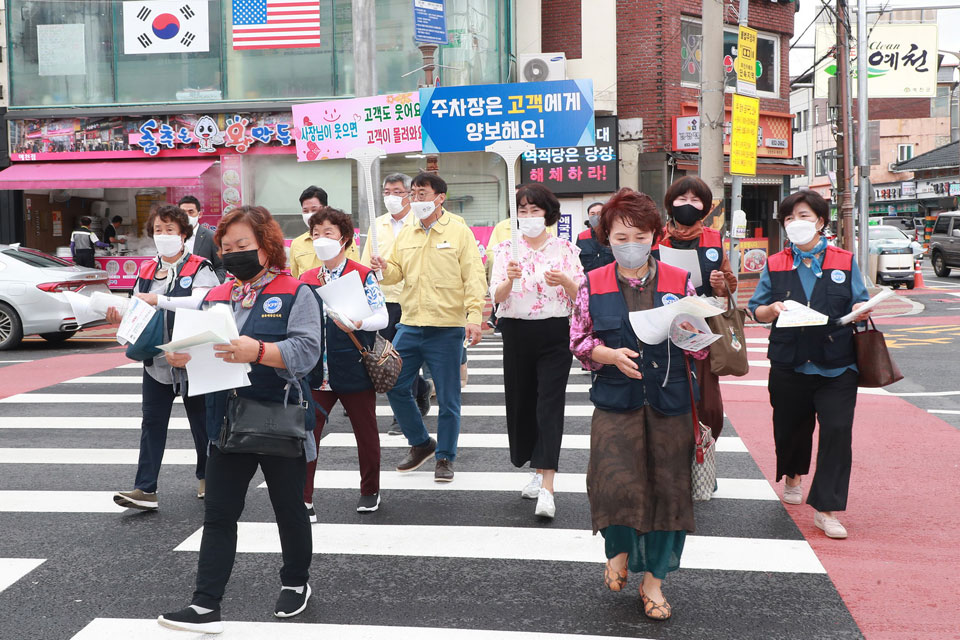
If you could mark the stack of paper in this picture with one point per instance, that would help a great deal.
(195, 332)
(653, 326)
(700, 338)
(686, 259)
(345, 299)
(872, 303)
(798, 315)
(136, 317)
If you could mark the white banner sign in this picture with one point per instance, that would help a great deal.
(165, 27)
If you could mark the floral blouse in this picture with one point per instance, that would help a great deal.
(536, 300)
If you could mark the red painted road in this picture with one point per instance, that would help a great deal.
(898, 570)
(30, 376)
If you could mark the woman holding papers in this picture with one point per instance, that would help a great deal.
(176, 278)
(535, 324)
(813, 372)
(340, 374)
(641, 436)
(687, 202)
(279, 322)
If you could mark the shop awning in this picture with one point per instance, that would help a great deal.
(765, 166)
(98, 175)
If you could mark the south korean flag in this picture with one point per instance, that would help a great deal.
(165, 27)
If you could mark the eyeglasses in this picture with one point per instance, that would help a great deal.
(423, 196)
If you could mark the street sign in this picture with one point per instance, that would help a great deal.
(743, 139)
(747, 62)
(430, 21)
(558, 113)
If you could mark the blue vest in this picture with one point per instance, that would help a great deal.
(592, 253)
(182, 287)
(710, 252)
(830, 346)
(268, 322)
(613, 391)
(344, 364)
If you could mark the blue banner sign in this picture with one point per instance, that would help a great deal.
(558, 113)
(429, 21)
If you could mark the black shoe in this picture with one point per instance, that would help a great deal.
(368, 503)
(290, 603)
(423, 402)
(189, 620)
(443, 471)
(417, 456)
(394, 429)
(311, 513)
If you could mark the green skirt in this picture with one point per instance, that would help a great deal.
(657, 552)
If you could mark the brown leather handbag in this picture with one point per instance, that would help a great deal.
(728, 355)
(382, 362)
(877, 368)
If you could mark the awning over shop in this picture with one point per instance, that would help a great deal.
(98, 175)
(765, 166)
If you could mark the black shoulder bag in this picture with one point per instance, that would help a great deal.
(265, 428)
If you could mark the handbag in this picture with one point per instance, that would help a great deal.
(703, 468)
(877, 368)
(728, 355)
(382, 362)
(264, 428)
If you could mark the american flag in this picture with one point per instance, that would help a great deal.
(276, 24)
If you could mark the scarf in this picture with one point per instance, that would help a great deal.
(246, 293)
(799, 256)
(172, 269)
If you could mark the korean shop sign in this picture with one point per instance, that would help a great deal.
(746, 65)
(743, 139)
(576, 170)
(206, 134)
(468, 118)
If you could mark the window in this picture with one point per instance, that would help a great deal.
(904, 152)
(826, 162)
(940, 106)
(768, 57)
(816, 115)
(801, 120)
(943, 225)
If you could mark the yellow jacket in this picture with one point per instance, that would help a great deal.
(441, 272)
(303, 258)
(385, 240)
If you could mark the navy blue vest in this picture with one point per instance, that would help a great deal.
(830, 346)
(592, 254)
(182, 287)
(710, 251)
(268, 322)
(344, 363)
(613, 391)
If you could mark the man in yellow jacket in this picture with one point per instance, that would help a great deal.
(302, 256)
(437, 259)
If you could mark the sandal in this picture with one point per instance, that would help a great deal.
(615, 580)
(654, 610)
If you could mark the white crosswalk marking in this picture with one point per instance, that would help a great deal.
(58, 502)
(12, 569)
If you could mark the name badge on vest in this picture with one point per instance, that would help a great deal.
(443, 245)
(670, 298)
(272, 305)
(838, 276)
(185, 282)
(712, 255)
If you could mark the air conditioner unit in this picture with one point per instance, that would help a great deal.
(540, 67)
(891, 165)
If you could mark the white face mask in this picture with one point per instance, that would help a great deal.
(423, 210)
(393, 204)
(306, 219)
(194, 222)
(326, 248)
(532, 227)
(801, 231)
(168, 245)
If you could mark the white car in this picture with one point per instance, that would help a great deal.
(896, 254)
(30, 298)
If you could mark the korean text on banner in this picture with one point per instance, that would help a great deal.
(747, 61)
(469, 118)
(325, 130)
(743, 140)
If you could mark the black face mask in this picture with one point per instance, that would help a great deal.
(687, 214)
(243, 265)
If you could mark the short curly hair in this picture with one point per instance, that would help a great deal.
(265, 228)
(170, 213)
(540, 196)
(634, 209)
(337, 218)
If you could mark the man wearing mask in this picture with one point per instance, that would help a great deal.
(302, 256)
(201, 242)
(437, 259)
(592, 253)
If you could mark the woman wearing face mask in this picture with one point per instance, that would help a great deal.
(641, 436)
(340, 375)
(813, 371)
(535, 324)
(592, 253)
(687, 202)
(176, 278)
(280, 327)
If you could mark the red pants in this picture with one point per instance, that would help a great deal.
(362, 409)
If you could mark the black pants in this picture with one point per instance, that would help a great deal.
(228, 476)
(395, 314)
(799, 401)
(84, 258)
(536, 366)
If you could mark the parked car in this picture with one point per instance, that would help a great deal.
(31, 302)
(945, 243)
(896, 254)
(905, 223)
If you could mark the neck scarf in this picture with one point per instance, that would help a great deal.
(246, 293)
(172, 269)
(799, 256)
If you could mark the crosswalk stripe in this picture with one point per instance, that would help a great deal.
(101, 628)
(12, 569)
(512, 481)
(58, 502)
(87, 422)
(763, 382)
(498, 371)
(521, 543)
(28, 455)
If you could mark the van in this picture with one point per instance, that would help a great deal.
(945, 243)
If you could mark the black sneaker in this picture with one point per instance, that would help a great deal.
(443, 471)
(290, 603)
(189, 620)
(417, 456)
(394, 429)
(311, 513)
(368, 503)
(423, 402)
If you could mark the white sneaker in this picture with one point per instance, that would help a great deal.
(532, 490)
(830, 526)
(792, 495)
(546, 507)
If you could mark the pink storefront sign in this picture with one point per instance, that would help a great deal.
(122, 270)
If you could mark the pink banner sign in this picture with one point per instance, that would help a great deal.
(122, 270)
(482, 234)
(324, 130)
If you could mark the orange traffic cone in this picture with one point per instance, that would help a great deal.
(917, 276)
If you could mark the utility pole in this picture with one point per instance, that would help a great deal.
(845, 144)
(365, 76)
(711, 98)
(863, 252)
